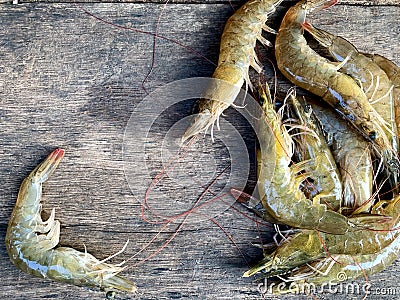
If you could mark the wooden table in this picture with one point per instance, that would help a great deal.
(72, 74)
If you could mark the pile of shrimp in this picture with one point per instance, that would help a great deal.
(327, 166)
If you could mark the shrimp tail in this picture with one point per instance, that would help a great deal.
(43, 171)
(201, 123)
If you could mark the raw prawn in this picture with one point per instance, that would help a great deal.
(354, 160)
(310, 245)
(317, 160)
(337, 268)
(237, 54)
(305, 68)
(32, 243)
(374, 81)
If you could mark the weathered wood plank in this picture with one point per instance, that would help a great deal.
(211, 2)
(69, 80)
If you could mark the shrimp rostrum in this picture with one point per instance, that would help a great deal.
(32, 244)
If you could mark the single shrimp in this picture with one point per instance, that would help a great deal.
(337, 268)
(353, 158)
(310, 245)
(237, 54)
(32, 243)
(353, 155)
(393, 72)
(278, 183)
(375, 83)
(317, 160)
(305, 68)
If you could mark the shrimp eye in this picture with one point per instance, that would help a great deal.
(110, 294)
(385, 204)
(308, 108)
(372, 135)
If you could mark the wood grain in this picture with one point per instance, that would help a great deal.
(211, 2)
(70, 80)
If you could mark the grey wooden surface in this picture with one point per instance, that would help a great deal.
(70, 80)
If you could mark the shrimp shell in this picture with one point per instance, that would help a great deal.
(31, 243)
(237, 54)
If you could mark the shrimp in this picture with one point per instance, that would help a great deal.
(318, 161)
(374, 81)
(237, 54)
(278, 184)
(305, 68)
(354, 160)
(393, 72)
(310, 245)
(32, 243)
(337, 268)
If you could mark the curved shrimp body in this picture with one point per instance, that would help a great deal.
(237, 54)
(355, 162)
(374, 81)
(311, 245)
(337, 268)
(393, 73)
(31, 242)
(353, 158)
(278, 184)
(305, 68)
(317, 159)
